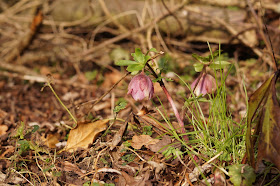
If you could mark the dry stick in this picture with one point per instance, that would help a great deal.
(175, 17)
(127, 34)
(231, 30)
(177, 115)
(260, 26)
(24, 43)
(99, 99)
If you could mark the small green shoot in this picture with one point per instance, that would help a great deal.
(147, 130)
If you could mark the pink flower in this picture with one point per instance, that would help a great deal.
(141, 86)
(206, 85)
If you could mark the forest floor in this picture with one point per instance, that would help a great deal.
(117, 140)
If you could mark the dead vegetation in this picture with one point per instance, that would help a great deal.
(74, 44)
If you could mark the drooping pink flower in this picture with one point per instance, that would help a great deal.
(141, 86)
(206, 85)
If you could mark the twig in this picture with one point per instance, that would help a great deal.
(24, 43)
(127, 34)
(22, 176)
(108, 91)
(231, 30)
(175, 17)
(260, 26)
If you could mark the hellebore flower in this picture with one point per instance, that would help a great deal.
(206, 85)
(141, 86)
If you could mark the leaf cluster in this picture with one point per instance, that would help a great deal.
(210, 61)
(139, 61)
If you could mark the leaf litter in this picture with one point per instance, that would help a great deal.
(134, 157)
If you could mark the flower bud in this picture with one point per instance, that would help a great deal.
(141, 86)
(206, 85)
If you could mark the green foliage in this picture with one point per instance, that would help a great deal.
(91, 75)
(172, 152)
(139, 62)
(217, 65)
(210, 61)
(20, 131)
(147, 130)
(198, 67)
(128, 158)
(23, 146)
(35, 128)
(127, 144)
(120, 105)
(241, 174)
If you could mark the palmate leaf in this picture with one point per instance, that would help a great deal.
(241, 174)
(138, 56)
(269, 123)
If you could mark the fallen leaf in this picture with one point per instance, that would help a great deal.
(118, 136)
(3, 114)
(85, 134)
(162, 145)
(3, 129)
(139, 141)
(241, 174)
(51, 140)
(69, 167)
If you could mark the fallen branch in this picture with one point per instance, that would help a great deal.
(25, 41)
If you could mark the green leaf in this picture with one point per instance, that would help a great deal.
(91, 75)
(147, 57)
(135, 67)
(35, 128)
(152, 50)
(125, 62)
(24, 146)
(134, 72)
(200, 58)
(241, 174)
(168, 79)
(158, 79)
(120, 106)
(216, 53)
(216, 65)
(198, 67)
(20, 131)
(138, 56)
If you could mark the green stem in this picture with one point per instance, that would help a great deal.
(49, 84)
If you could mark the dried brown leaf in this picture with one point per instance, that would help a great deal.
(161, 145)
(51, 140)
(69, 167)
(269, 146)
(118, 136)
(139, 141)
(254, 104)
(85, 134)
(3, 129)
